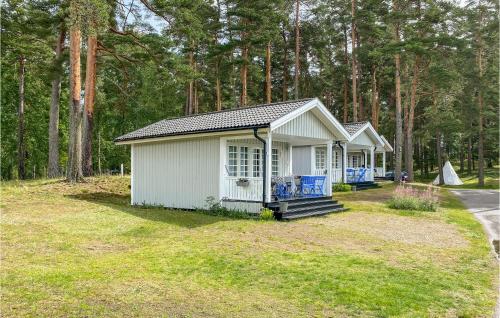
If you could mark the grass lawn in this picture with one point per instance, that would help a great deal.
(82, 251)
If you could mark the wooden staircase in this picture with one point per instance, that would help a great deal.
(305, 207)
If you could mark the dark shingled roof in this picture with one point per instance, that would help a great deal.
(231, 119)
(352, 128)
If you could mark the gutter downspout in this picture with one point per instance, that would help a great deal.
(342, 148)
(264, 165)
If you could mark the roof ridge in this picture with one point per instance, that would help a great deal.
(240, 108)
(356, 122)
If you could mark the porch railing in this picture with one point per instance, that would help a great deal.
(250, 192)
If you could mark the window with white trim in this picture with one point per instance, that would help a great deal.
(336, 160)
(256, 162)
(355, 161)
(274, 162)
(321, 158)
(243, 161)
(232, 167)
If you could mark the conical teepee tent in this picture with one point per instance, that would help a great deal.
(450, 176)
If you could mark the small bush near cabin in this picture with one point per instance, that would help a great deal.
(266, 215)
(408, 198)
(215, 208)
(341, 187)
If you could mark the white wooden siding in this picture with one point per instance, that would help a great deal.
(177, 174)
(301, 160)
(306, 125)
(363, 139)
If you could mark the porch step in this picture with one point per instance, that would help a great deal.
(287, 217)
(295, 203)
(300, 208)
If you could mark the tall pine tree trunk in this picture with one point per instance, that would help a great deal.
(21, 143)
(374, 98)
(480, 144)
(469, 155)
(190, 88)
(297, 49)
(438, 140)
(354, 62)
(74, 172)
(399, 127)
(88, 120)
(284, 94)
(462, 155)
(244, 71)
(218, 98)
(268, 73)
(411, 117)
(346, 93)
(53, 171)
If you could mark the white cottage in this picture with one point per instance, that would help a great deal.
(245, 158)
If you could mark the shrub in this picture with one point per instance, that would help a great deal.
(215, 208)
(266, 215)
(341, 187)
(408, 198)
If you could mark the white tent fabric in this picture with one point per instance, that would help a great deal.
(450, 176)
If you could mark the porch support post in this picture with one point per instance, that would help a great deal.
(372, 162)
(329, 155)
(344, 164)
(222, 167)
(383, 163)
(290, 159)
(365, 163)
(269, 151)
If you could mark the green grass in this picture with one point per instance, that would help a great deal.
(82, 251)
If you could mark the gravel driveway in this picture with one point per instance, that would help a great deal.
(485, 205)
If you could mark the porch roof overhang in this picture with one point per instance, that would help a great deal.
(387, 146)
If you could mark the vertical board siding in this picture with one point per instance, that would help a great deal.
(306, 125)
(177, 174)
(364, 139)
(301, 160)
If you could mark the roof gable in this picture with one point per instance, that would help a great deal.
(356, 129)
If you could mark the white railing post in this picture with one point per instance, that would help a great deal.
(290, 159)
(344, 163)
(329, 154)
(372, 162)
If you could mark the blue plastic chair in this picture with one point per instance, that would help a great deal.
(312, 185)
(361, 176)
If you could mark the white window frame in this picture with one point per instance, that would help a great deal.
(275, 162)
(243, 163)
(336, 159)
(256, 162)
(253, 167)
(320, 158)
(232, 167)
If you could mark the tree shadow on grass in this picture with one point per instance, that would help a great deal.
(121, 202)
